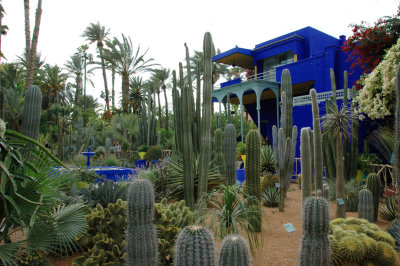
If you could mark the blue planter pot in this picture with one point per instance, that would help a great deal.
(240, 175)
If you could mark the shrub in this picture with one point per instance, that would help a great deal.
(143, 148)
(241, 148)
(270, 197)
(267, 159)
(389, 210)
(104, 193)
(111, 161)
(154, 153)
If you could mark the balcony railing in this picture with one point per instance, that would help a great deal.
(267, 75)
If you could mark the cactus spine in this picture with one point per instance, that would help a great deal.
(219, 156)
(318, 155)
(195, 246)
(253, 164)
(141, 240)
(234, 251)
(32, 112)
(315, 246)
(306, 171)
(366, 205)
(374, 185)
(205, 137)
(229, 150)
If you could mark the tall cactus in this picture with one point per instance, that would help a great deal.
(229, 150)
(325, 191)
(306, 171)
(234, 252)
(141, 239)
(32, 112)
(318, 155)
(107, 146)
(205, 137)
(396, 162)
(253, 167)
(195, 247)
(315, 246)
(60, 150)
(79, 135)
(374, 185)
(219, 161)
(366, 205)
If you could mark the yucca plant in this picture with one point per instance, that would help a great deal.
(267, 159)
(225, 212)
(270, 197)
(389, 210)
(174, 176)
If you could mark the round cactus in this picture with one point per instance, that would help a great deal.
(374, 185)
(234, 251)
(352, 249)
(195, 246)
(387, 256)
(366, 205)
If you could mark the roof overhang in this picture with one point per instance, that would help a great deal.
(236, 57)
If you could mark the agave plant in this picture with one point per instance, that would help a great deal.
(389, 210)
(394, 231)
(225, 212)
(104, 193)
(270, 197)
(267, 159)
(174, 176)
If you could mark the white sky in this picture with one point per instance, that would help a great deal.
(164, 26)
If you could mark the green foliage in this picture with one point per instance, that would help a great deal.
(225, 211)
(267, 159)
(154, 153)
(241, 148)
(104, 193)
(374, 185)
(35, 258)
(234, 251)
(104, 237)
(83, 175)
(270, 197)
(394, 231)
(389, 210)
(170, 219)
(357, 241)
(143, 148)
(195, 246)
(111, 161)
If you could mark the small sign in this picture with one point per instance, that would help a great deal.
(277, 185)
(289, 227)
(340, 201)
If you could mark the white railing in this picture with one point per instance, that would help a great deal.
(322, 96)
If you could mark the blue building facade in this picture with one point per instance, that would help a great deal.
(307, 53)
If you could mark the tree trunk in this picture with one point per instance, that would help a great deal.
(125, 92)
(84, 93)
(113, 89)
(31, 47)
(159, 106)
(166, 107)
(103, 68)
(340, 209)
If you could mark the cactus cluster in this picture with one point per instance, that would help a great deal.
(366, 205)
(374, 185)
(315, 246)
(141, 237)
(229, 151)
(358, 242)
(169, 220)
(234, 252)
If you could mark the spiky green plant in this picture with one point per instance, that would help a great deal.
(270, 197)
(234, 252)
(388, 212)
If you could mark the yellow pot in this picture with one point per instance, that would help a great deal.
(359, 175)
(142, 153)
(244, 160)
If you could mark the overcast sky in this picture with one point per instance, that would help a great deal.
(164, 26)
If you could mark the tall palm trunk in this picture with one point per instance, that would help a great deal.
(103, 67)
(340, 209)
(113, 89)
(159, 106)
(84, 93)
(125, 92)
(166, 106)
(31, 47)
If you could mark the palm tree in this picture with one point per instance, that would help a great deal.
(136, 93)
(31, 43)
(3, 28)
(75, 68)
(97, 33)
(337, 123)
(126, 62)
(218, 69)
(162, 75)
(53, 85)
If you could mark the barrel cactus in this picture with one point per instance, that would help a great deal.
(315, 246)
(141, 239)
(234, 251)
(195, 246)
(374, 185)
(229, 150)
(366, 205)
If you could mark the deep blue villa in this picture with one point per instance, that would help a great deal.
(309, 54)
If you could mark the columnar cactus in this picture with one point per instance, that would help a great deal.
(315, 246)
(141, 239)
(229, 150)
(195, 246)
(219, 156)
(32, 112)
(253, 167)
(366, 205)
(396, 162)
(374, 185)
(234, 252)
(325, 191)
(79, 135)
(107, 146)
(318, 155)
(306, 171)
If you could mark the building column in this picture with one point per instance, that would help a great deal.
(240, 96)
(258, 95)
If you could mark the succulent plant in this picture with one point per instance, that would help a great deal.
(234, 251)
(229, 150)
(366, 205)
(32, 112)
(374, 185)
